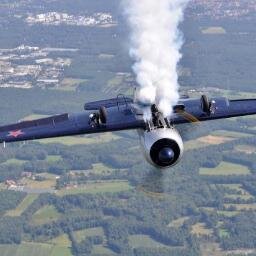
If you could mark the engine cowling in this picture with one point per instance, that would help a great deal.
(162, 147)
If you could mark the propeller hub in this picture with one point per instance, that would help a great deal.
(166, 155)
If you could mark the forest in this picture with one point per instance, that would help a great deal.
(96, 195)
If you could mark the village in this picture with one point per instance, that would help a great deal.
(37, 68)
(56, 18)
(219, 9)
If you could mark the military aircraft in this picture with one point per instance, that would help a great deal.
(161, 142)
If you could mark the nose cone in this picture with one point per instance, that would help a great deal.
(166, 156)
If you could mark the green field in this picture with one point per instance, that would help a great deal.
(28, 200)
(44, 215)
(49, 183)
(231, 134)
(215, 138)
(178, 222)
(38, 249)
(13, 161)
(26, 249)
(228, 214)
(214, 31)
(248, 149)
(236, 196)
(62, 240)
(225, 168)
(100, 168)
(98, 231)
(83, 234)
(52, 159)
(97, 187)
(211, 249)
(106, 56)
(136, 241)
(236, 187)
(60, 251)
(81, 140)
(200, 229)
(194, 144)
(223, 233)
(60, 246)
(102, 250)
(70, 84)
(237, 192)
(242, 207)
(118, 84)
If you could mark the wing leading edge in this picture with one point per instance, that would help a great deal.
(189, 110)
(69, 124)
(223, 108)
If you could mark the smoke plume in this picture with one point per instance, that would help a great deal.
(155, 46)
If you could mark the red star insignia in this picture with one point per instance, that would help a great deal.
(15, 134)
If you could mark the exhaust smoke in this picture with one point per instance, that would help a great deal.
(155, 46)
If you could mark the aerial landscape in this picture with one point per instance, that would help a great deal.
(96, 194)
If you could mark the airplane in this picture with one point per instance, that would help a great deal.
(160, 140)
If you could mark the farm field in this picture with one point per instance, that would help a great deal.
(231, 134)
(236, 196)
(237, 187)
(62, 240)
(53, 158)
(49, 183)
(44, 215)
(60, 251)
(28, 200)
(225, 168)
(241, 207)
(214, 31)
(70, 84)
(236, 192)
(81, 140)
(178, 222)
(100, 168)
(26, 249)
(207, 141)
(248, 149)
(223, 232)
(225, 213)
(13, 161)
(97, 187)
(102, 250)
(38, 249)
(213, 249)
(137, 241)
(83, 234)
(200, 229)
(116, 84)
(228, 214)
(214, 140)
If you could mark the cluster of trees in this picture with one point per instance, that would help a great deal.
(143, 211)
(9, 200)
(146, 210)
(241, 230)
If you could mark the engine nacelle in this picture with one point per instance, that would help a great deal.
(162, 147)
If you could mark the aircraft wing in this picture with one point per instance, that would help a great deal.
(70, 124)
(191, 110)
(121, 115)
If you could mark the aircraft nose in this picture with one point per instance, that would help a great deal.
(166, 155)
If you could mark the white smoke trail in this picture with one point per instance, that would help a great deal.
(156, 43)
